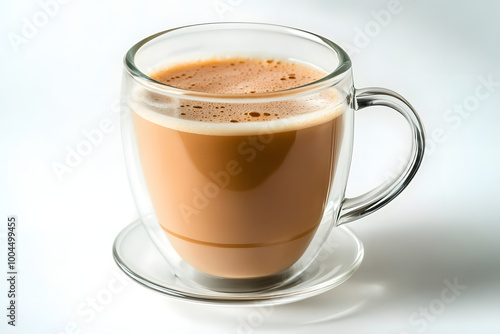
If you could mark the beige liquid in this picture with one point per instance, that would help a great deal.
(240, 197)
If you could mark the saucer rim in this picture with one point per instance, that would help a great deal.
(271, 296)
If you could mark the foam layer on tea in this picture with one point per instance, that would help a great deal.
(236, 77)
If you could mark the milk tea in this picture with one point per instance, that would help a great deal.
(239, 188)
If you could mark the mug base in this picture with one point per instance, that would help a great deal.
(137, 256)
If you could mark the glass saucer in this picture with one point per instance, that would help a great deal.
(137, 256)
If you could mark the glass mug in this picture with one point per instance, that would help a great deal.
(248, 205)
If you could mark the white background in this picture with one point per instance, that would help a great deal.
(62, 78)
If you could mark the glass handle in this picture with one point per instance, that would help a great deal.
(360, 206)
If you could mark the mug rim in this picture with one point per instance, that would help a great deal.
(328, 81)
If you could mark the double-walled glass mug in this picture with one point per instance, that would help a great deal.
(241, 206)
